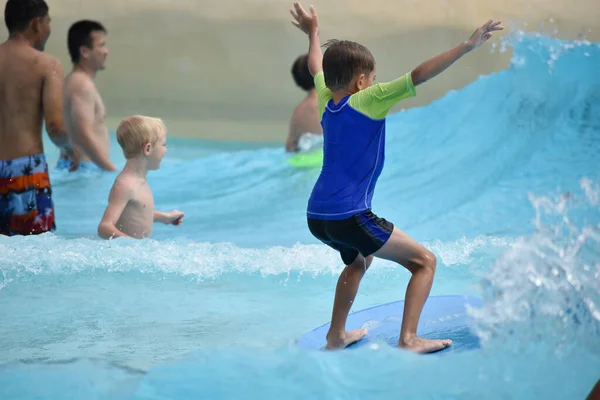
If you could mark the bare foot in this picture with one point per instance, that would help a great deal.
(419, 345)
(345, 340)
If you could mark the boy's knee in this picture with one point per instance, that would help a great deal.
(362, 263)
(428, 260)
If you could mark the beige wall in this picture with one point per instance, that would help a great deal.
(220, 69)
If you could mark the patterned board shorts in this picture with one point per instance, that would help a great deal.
(26, 206)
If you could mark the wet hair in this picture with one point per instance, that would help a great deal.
(19, 13)
(301, 73)
(343, 60)
(136, 131)
(80, 34)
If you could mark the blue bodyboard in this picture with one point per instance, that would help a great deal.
(443, 317)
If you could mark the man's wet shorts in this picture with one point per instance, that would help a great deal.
(363, 233)
(26, 206)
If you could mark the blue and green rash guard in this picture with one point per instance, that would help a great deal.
(353, 147)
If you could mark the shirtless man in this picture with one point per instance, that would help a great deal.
(31, 84)
(84, 109)
(305, 126)
(130, 211)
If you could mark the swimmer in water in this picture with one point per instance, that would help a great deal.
(305, 125)
(353, 110)
(31, 86)
(130, 210)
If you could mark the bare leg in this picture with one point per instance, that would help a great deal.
(345, 292)
(421, 262)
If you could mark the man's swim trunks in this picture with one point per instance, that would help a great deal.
(26, 206)
(363, 233)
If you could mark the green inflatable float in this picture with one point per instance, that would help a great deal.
(312, 159)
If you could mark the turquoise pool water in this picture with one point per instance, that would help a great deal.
(500, 179)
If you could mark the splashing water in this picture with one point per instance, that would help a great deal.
(546, 287)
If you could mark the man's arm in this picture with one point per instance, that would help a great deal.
(118, 198)
(291, 143)
(438, 64)
(52, 103)
(83, 116)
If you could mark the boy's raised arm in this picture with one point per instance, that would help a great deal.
(438, 64)
(309, 24)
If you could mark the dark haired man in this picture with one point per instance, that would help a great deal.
(84, 108)
(305, 126)
(31, 84)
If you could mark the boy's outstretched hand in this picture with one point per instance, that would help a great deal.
(174, 217)
(307, 23)
(483, 33)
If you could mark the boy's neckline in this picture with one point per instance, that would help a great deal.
(342, 101)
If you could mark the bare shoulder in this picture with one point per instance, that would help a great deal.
(50, 66)
(35, 62)
(305, 111)
(79, 83)
(298, 112)
(124, 186)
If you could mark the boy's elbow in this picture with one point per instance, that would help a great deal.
(314, 66)
(101, 232)
(104, 230)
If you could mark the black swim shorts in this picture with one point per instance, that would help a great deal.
(363, 233)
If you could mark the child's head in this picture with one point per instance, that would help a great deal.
(347, 66)
(139, 135)
(301, 73)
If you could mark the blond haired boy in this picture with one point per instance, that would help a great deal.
(130, 211)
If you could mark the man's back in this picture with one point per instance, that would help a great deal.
(305, 119)
(23, 70)
(30, 93)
